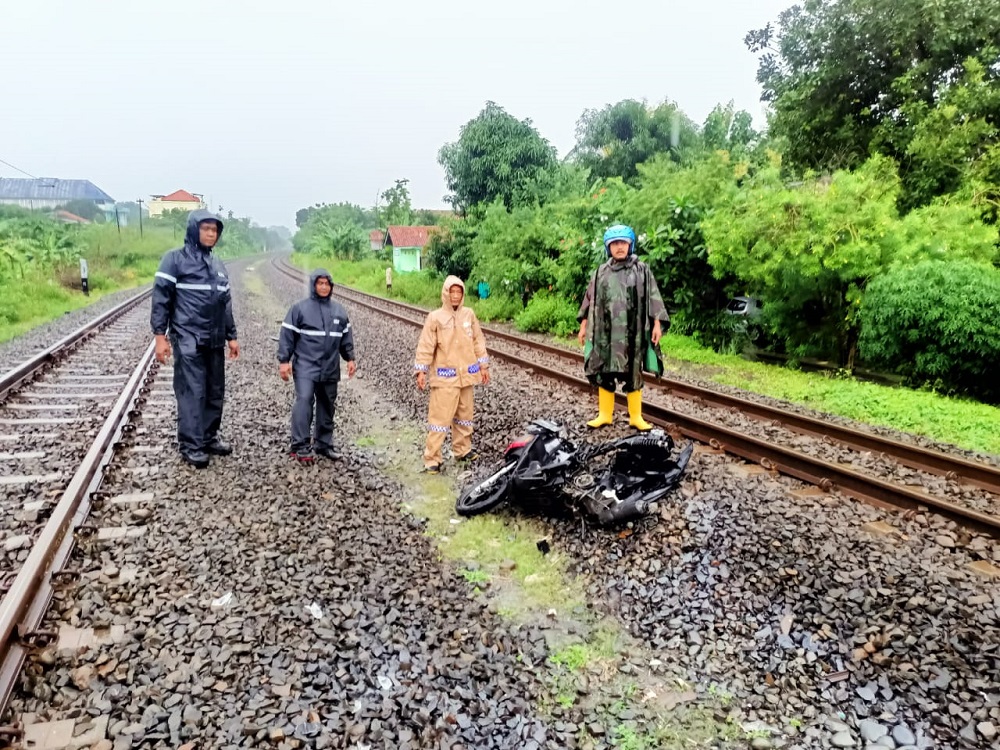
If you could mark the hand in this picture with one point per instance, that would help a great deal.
(486, 375)
(285, 371)
(421, 380)
(582, 335)
(657, 333)
(352, 367)
(162, 349)
(234, 349)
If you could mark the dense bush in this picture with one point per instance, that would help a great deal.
(938, 324)
(810, 250)
(496, 307)
(548, 313)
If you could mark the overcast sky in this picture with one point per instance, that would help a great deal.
(267, 107)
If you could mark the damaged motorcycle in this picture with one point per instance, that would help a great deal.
(611, 483)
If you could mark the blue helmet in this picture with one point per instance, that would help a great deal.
(619, 232)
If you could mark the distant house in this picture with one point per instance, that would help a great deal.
(50, 192)
(407, 244)
(181, 199)
(376, 239)
(67, 218)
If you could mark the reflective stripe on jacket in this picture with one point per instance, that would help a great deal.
(315, 335)
(452, 348)
(191, 296)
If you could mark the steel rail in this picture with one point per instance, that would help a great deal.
(23, 607)
(14, 377)
(955, 468)
(772, 457)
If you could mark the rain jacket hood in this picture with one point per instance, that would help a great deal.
(446, 298)
(316, 335)
(320, 273)
(191, 239)
(191, 296)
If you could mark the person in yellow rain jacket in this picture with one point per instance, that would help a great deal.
(451, 358)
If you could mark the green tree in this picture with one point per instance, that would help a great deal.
(613, 141)
(429, 217)
(303, 214)
(335, 231)
(847, 78)
(450, 249)
(956, 142)
(398, 210)
(337, 213)
(810, 251)
(517, 252)
(726, 129)
(495, 156)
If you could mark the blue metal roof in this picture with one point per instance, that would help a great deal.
(45, 188)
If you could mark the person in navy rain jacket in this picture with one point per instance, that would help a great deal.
(192, 318)
(315, 336)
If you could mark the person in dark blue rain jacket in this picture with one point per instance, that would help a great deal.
(192, 319)
(315, 336)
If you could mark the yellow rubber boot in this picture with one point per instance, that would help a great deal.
(635, 412)
(605, 408)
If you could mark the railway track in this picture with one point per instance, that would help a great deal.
(32, 367)
(968, 492)
(98, 399)
(63, 412)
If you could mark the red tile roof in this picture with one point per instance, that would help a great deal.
(68, 218)
(376, 235)
(182, 196)
(409, 236)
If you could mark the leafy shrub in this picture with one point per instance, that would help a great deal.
(497, 307)
(416, 287)
(548, 313)
(936, 323)
(810, 250)
(719, 331)
(450, 249)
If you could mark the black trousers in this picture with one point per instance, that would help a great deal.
(200, 389)
(609, 381)
(309, 394)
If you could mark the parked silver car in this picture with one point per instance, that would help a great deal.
(747, 307)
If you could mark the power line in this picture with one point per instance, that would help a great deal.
(18, 169)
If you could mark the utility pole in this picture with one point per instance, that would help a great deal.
(139, 201)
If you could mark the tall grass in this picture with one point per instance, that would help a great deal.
(116, 259)
(415, 288)
(33, 295)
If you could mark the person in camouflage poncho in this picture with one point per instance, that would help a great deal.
(620, 318)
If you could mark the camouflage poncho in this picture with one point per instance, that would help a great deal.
(620, 306)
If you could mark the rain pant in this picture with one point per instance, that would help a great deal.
(192, 305)
(452, 351)
(315, 336)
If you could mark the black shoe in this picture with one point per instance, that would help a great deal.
(327, 452)
(197, 459)
(218, 448)
(436, 469)
(468, 457)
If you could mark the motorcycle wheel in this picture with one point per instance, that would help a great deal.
(487, 494)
